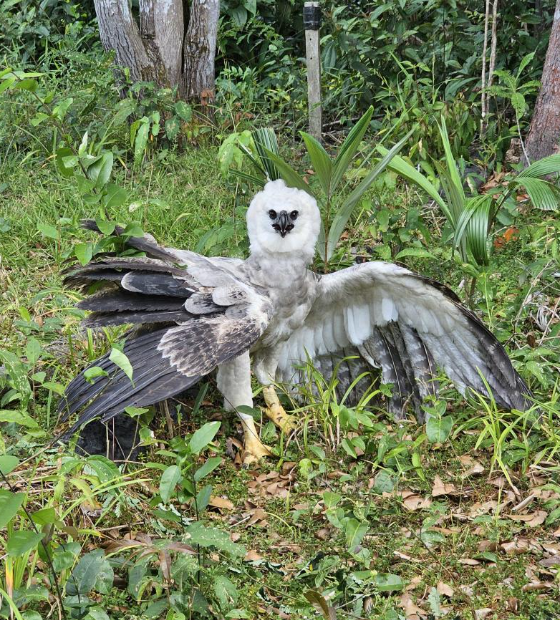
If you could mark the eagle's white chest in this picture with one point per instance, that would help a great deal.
(292, 289)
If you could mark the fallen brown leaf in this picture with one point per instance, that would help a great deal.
(441, 488)
(531, 520)
(444, 589)
(472, 467)
(411, 501)
(221, 502)
(411, 610)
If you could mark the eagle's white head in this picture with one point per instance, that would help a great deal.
(283, 219)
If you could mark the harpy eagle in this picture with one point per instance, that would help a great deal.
(269, 314)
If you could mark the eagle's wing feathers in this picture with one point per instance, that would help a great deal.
(199, 318)
(407, 325)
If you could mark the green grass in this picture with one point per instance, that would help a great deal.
(298, 540)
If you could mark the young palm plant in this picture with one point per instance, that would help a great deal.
(472, 218)
(336, 199)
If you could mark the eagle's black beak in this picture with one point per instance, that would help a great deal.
(282, 224)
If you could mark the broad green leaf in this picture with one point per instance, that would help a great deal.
(57, 388)
(172, 127)
(385, 582)
(541, 168)
(92, 373)
(47, 230)
(121, 360)
(100, 172)
(7, 83)
(320, 161)
(203, 497)
(106, 227)
(115, 196)
(438, 428)
(44, 516)
(83, 252)
(33, 350)
(543, 194)
(355, 531)
(133, 229)
(83, 145)
(141, 140)
(61, 153)
(17, 417)
(183, 111)
(205, 536)
(96, 613)
(28, 84)
(208, 467)
(10, 503)
(86, 573)
(290, 176)
(349, 147)
(38, 118)
(419, 252)
(22, 541)
(203, 436)
(7, 464)
(169, 480)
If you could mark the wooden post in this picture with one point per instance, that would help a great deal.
(311, 24)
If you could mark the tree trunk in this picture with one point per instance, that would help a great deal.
(157, 50)
(162, 29)
(200, 50)
(119, 32)
(544, 133)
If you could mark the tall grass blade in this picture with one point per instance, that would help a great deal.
(320, 161)
(265, 139)
(290, 176)
(349, 148)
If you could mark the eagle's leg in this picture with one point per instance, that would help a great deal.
(276, 412)
(234, 382)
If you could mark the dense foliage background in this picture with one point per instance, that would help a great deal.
(359, 517)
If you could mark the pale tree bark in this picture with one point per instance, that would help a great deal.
(544, 132)
(162, 29)
(200, 50)
(119, 32)
(157, 49)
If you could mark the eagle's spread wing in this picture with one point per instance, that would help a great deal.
(408, 325)
(193, 320)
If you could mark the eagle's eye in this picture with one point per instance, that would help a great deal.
(272, 214)
(294, 215)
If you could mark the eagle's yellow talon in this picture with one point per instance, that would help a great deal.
(276, 412)
(255, 450)
(284, 421)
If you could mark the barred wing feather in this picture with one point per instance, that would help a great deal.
(408, 326)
